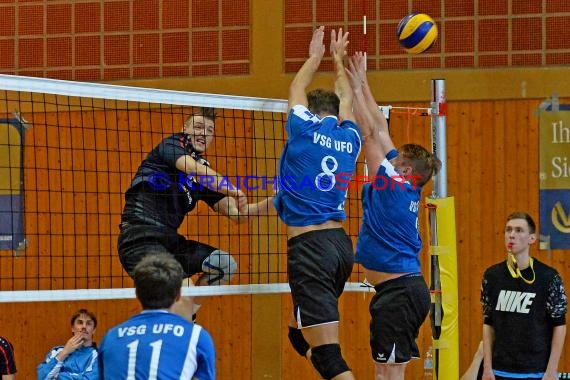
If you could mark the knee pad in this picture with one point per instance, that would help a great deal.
(218, 268)
(328, 360)
(298, 341)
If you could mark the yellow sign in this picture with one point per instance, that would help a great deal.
(10, 166)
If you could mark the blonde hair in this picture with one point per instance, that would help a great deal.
(424, 164)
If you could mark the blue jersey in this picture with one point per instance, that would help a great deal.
(318, 160)
(389, 240)
(157, 344)
(80, 364)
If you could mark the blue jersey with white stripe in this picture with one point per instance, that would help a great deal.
(317, 162)
(389, 240)
(82, 363)
(157, 344)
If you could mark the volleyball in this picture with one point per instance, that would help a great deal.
(417, 32)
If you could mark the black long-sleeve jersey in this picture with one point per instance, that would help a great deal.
(160, 194)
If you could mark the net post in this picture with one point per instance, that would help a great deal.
(444, 268)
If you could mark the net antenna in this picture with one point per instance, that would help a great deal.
(384, 109)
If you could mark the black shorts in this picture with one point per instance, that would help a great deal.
(137, 241)
(398, 310)
(318, 264)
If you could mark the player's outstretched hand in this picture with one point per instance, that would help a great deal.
(357, 65)
(316, 47)
(241, 202)
(356, 70)
(339, 42)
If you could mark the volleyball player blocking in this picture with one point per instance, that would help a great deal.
(389, 242)
(319, 252)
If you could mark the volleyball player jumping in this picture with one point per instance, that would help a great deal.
(319, 253)
(389, 242)
(159, 198)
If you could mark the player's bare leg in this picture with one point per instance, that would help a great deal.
(390, 371)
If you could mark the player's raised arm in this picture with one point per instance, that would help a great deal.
(189, 165)
(304, 77)
(364, 116)
(339, 43)
(373, 124)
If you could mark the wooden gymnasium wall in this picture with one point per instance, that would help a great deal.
(492, 170)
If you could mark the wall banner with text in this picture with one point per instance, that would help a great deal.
(555, 177)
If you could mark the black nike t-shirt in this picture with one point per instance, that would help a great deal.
(523, 315)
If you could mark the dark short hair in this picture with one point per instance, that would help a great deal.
(207, 112)
(158, 279)
(525, 216)
(320, 100)
(80, 312)
(424, 164)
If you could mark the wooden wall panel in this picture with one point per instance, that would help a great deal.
(493, 156)
(36, 327)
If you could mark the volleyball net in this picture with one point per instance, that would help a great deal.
(68, 152)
